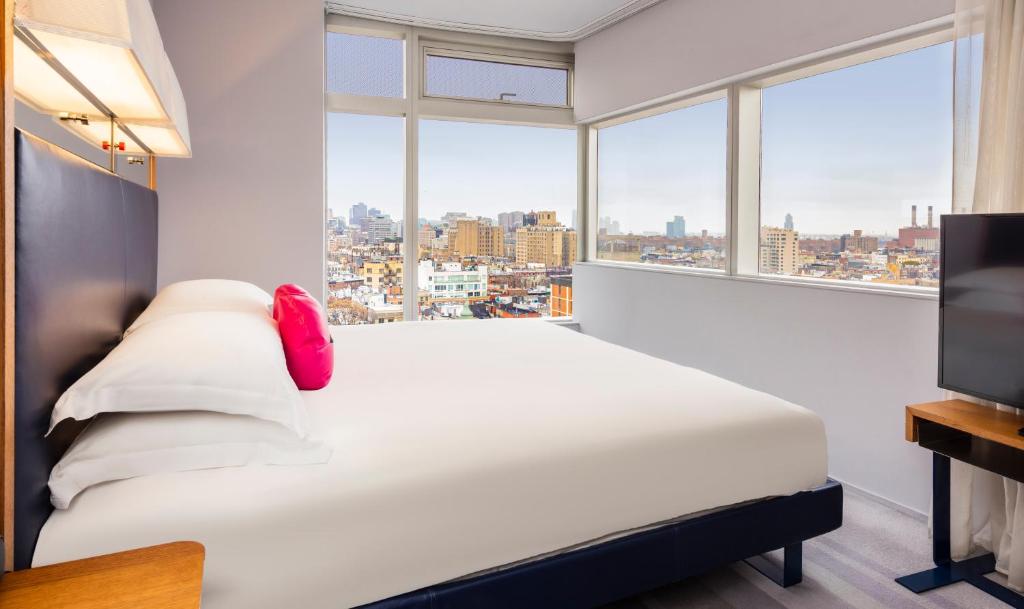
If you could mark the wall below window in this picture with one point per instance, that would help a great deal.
(249, 205)
(676, 45)
(854, 358)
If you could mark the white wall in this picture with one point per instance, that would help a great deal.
(250, 203)
(680, 44)
(854, 358)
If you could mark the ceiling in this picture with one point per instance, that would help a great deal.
(567, 20)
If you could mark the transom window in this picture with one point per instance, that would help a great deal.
(481, 77)
(364, 65)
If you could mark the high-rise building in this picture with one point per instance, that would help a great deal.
(510, 221)
(789, 222)
(609, 226)
(546, 242)
(475, 237)
(546, 218)
(356, 213)
(780, 253)
(676, 228)
(379, 228)
(450, 217)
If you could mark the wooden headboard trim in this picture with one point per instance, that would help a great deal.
(7, 283)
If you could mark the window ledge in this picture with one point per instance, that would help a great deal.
(916, 293)
(565, 322)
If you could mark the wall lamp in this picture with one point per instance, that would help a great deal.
(99, 68)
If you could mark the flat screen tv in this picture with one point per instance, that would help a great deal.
(981, 306)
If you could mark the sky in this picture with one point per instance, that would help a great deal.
(477, 168)
(851, 149)
(857, 147)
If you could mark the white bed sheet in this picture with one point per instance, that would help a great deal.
(458, 447)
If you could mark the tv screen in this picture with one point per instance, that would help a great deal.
(981, 306)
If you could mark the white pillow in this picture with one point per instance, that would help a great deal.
(216, 361)
(120, 446)
(205, 295)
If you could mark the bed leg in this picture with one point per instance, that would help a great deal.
(789, 573)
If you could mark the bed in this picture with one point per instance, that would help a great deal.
(502, 463)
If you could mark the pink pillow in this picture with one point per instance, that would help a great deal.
(308, 348)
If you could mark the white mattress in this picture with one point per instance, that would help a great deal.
(458, 447)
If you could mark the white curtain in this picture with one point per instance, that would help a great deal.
(988, 176)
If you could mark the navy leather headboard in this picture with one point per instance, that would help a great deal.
(85, 267)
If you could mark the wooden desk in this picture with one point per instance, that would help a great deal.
(981, 436)
(167, 576)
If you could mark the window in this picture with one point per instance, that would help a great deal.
(483, 79)
(839, 171)
(365, 165)
(497, 220)
(661, 195)
(364, 65)
(856, 167)
(467, 211)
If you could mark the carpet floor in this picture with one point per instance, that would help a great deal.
(851, 568)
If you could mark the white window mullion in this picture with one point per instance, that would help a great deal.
(744, 184)
(410, 290)
(588, 191)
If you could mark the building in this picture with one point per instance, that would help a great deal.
(609, 226)
(918, 237)
(372, 308)
(356, 213)
(510, 221)
(425, 237)
(381, 274)
(547, 242)
(676, 228)
(858, 243)
(789, 222)
(561, 296)
(379, 228)
(512, 310)
(780, 251)
(449, 282)
(476, 237)
(546, 218)
(450, 217)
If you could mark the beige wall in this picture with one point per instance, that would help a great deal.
(680, 44)
(249, 205)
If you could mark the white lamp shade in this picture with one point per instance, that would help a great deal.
(113, 47)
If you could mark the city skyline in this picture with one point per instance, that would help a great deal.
(475, 168)
(848, 149)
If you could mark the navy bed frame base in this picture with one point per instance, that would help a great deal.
(616, 569)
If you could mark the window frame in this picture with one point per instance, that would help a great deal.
(743, 150)
(415, 106)
(520, 58)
